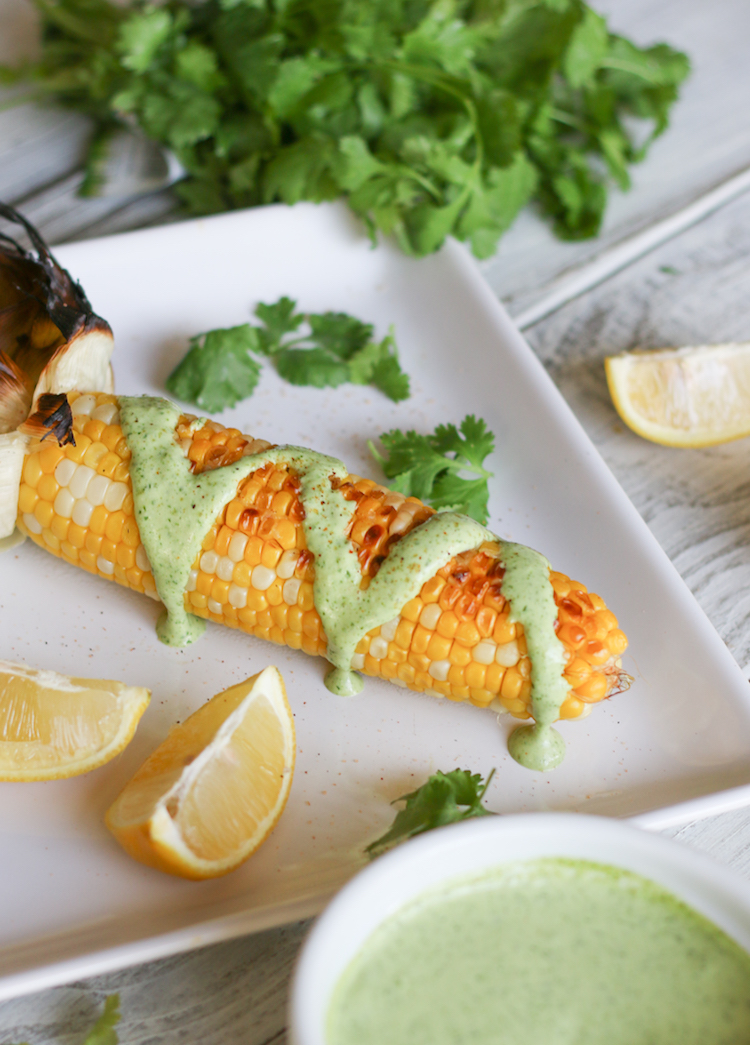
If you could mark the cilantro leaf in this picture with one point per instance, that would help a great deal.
(431, 119)
(277, 319)
(446, 798)
(311, 366)
(103, 1032)
(340, 334)
(218, 369)
(419, 465)
(329, 349)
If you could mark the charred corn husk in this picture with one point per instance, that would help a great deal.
(50, 341)
(455, 639)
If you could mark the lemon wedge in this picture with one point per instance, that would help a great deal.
(52, 726)
(210, 795)
(683, 396)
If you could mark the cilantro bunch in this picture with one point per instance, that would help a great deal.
(446, 798)
(223, 366)
(432, 117)
(432, 467)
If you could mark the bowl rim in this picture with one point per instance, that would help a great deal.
(463, 849)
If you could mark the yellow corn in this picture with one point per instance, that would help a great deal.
(455, 639)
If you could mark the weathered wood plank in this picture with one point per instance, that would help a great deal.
(694, 290)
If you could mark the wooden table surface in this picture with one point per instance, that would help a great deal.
(672, 267)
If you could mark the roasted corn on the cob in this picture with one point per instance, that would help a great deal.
(456, 638)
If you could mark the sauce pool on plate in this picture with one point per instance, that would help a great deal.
(545, 952)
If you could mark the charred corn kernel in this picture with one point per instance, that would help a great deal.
(454, 639)
(596, 653)
(572, 636)
(431, 590)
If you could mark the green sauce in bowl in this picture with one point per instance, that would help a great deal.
(545, 952)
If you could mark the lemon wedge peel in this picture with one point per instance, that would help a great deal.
(54, 726)
(695, 397)
(148, 818)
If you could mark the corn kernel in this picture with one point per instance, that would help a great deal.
(59, 527)
(270, 555)
(114, 525)
(47, 488)
(98, 519)
(511, 685)
(51, 541)
(493, 679)
(593, 689)
(125, 556)
(459, 655)
(438, 647)
(616, 642)
(27, 498)
(32, 470)
(130, 533)
(93, 543)
(43, 513)
(504, 630)
(50, 456)
(111, 437)
(447, 625)
(94, 429)
(87, 559)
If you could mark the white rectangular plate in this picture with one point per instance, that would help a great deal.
(72, 902)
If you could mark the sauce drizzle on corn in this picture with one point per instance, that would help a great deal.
(175, 507)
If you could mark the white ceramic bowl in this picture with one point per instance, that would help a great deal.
(400, 876)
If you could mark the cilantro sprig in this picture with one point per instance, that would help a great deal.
(446, 798)
(223, 366)
(432, 117)
(103, 1032)
(432, 467)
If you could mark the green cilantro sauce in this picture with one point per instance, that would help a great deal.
(548, 952)
(174, 509)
